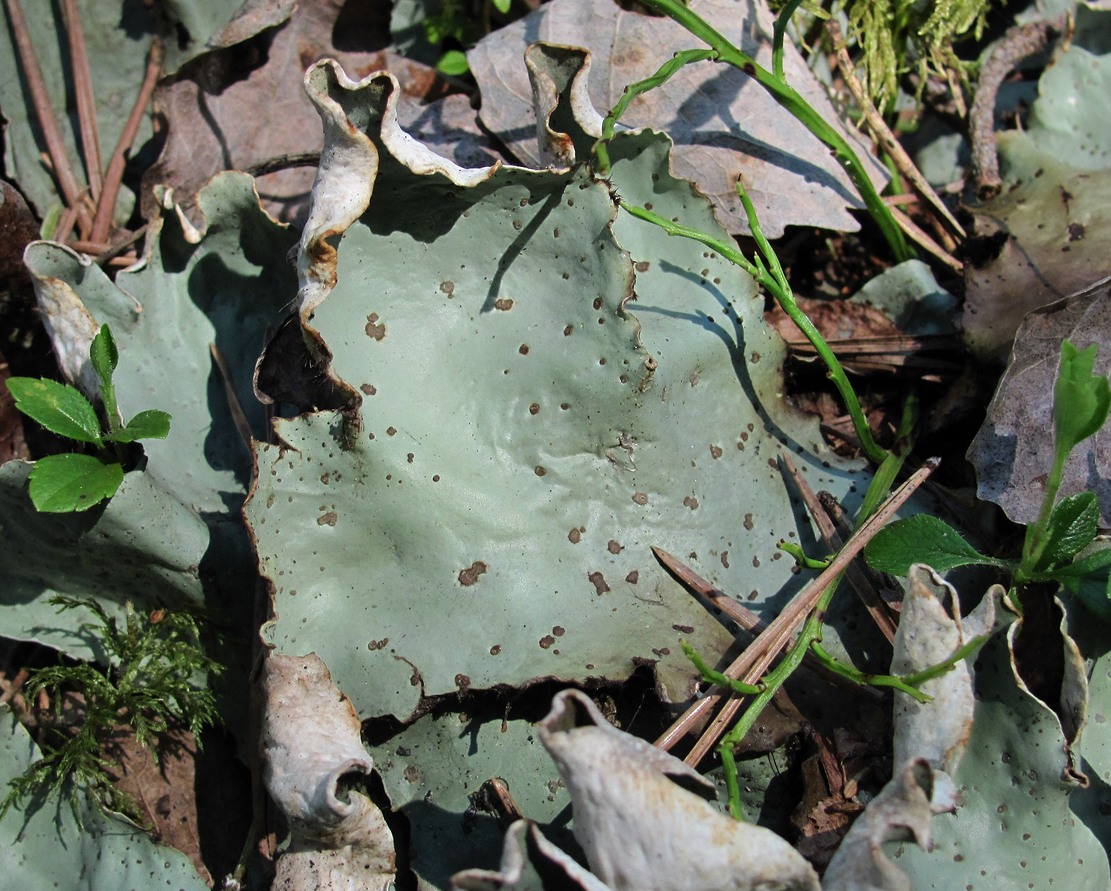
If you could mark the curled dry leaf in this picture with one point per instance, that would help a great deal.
(640, 821)
(929, 737)
(930, 631)
(525, 854)
(313, 759)
(901, 811)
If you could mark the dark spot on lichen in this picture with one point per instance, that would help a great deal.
(378, 644)
(574, 536)
(748, 523)
(369, 389)
(328, 519)
(632, 577)
(684, 629)
(691, 502)
(539, 471)
(469, 576)
(640, 497)
(534, 409)
(391, 431)
(435, 478)
(495, 649)
(559, 631)
(715, 452)
(613, 547)
(546, 641)
(463, 683)
(447, 287)
(412, 774)
(565, 405)
(662, 651)
(642, 266)
(567, 331)
(409, 457)
(523, 349)
(598, 581)
(374, 329)
(1076, 231)
(597, 304)
(725, 559)
(504, 304)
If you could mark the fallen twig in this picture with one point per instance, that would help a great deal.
(1001, 58)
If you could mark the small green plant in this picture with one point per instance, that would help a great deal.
(899, 36)
(76, 481)
(1060, 545)
(460, 22)
(153, 683)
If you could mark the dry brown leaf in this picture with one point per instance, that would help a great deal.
(1043, 240)
(17, 228)
(1013, 450)
(163, 793)
(722, 122)
(244, 104)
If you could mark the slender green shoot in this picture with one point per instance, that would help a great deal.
(666, 71)
(716, 677)
(864, 678)
(769, 274)
(791, 100)
(779, 30)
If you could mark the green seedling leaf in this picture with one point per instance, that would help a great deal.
(453, 63)
(922, 539)
(104, 355)
(63, 483)
(1072, 526)
(149, 424)
(502, 6)
(1081, 399)
(60, 408)
(1089, 581)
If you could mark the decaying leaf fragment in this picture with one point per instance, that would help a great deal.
(524, 846)
(901, 811)
(313, 764)
(930, 631)
(640, 821)
(930, 737)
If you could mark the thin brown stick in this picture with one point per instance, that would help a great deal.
(859, 580)
(739, 613)
(238, 416)
(773, 639)
(1001, 58)
(925, 241)
(883, 133)
(65, 225)
(83, 92)
(44, 111)
(114, 175)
